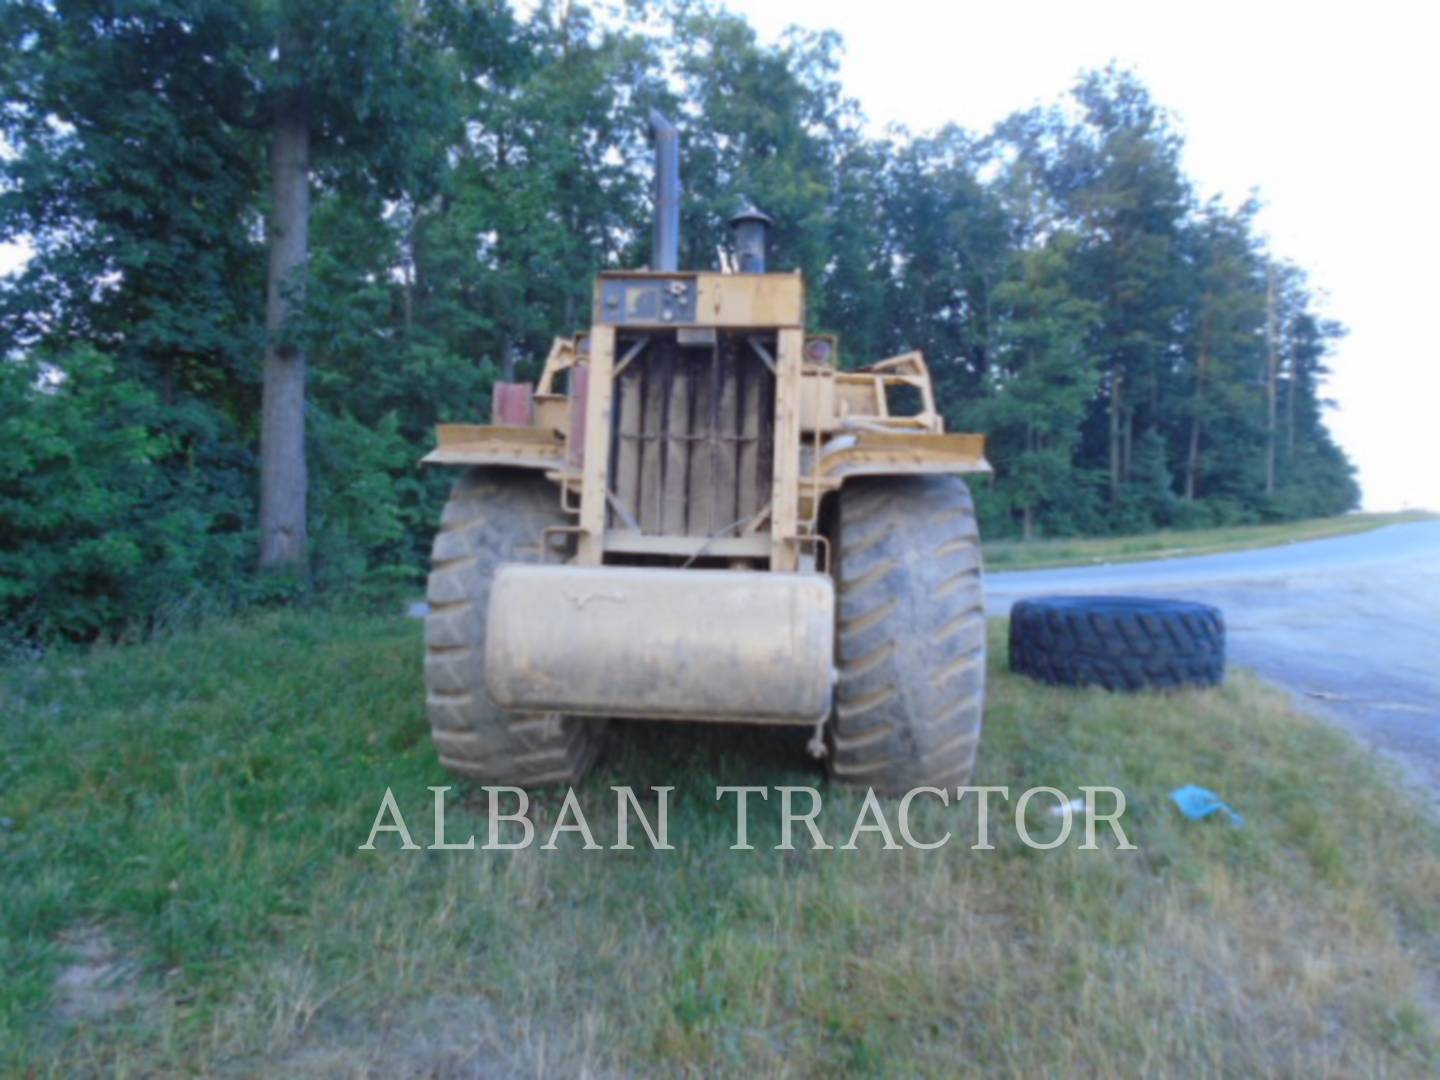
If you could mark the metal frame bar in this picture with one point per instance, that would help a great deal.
(763, 353)
(630, 354)
(596, 472)
(785, 509)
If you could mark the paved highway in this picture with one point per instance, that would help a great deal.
(1350, 625)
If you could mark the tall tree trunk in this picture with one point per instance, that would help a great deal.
(407, 267)
(1270, 366)
(1127, 445)
(1290, 385)
(1027, 512)
(1117, 379)
(1192, 456)
(283, 478)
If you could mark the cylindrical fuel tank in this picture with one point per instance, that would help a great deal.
(728, 645)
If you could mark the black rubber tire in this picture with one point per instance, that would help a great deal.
(493, 516)
(910, 634)
(1118, 642)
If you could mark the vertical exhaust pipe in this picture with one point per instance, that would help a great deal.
(665, 243)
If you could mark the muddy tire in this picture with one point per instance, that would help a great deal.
(1118, 642)
(493, 516)
(910, 634)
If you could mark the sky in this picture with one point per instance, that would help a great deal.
(1330, 110)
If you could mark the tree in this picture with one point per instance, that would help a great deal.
(283, 472)
(543, 190)
(1314, 477)
(359, 84)
(1118, 178)
(952, 244)
(1042, 381)
(1222, 321)
(175, 160)
(760, 123)
(137, 305)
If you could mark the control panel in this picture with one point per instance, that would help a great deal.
(648, 300)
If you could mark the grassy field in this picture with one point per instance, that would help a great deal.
(1034, 554)
(183, 892)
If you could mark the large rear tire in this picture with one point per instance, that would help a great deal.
(493, 516)
(910, 634)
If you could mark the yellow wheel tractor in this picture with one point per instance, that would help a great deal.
(696, 515)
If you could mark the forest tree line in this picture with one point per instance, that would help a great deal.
(1136, 355)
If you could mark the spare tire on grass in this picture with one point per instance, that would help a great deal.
(1118, 642)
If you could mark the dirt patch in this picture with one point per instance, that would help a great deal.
(99, 980)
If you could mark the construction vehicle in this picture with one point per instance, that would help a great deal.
(698, 515)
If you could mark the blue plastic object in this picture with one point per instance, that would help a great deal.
(1198, 802)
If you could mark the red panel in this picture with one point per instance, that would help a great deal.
(513, 404)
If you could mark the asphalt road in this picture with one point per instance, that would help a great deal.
(1350, 625)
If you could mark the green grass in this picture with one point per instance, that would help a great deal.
(1036, 554)
(197, 804)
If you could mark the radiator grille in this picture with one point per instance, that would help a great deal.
(692, 442)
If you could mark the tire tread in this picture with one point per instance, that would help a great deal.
(493, 516)
(911, 640)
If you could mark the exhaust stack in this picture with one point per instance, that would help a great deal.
(665, 243)
(752, 232)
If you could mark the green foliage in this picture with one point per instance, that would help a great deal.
(765, 124)
(1042, 378)
(110, 507)
(1075, 300)
(369, 504)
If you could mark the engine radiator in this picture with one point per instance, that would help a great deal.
(693, 437)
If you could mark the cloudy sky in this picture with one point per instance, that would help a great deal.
(1330, 110)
